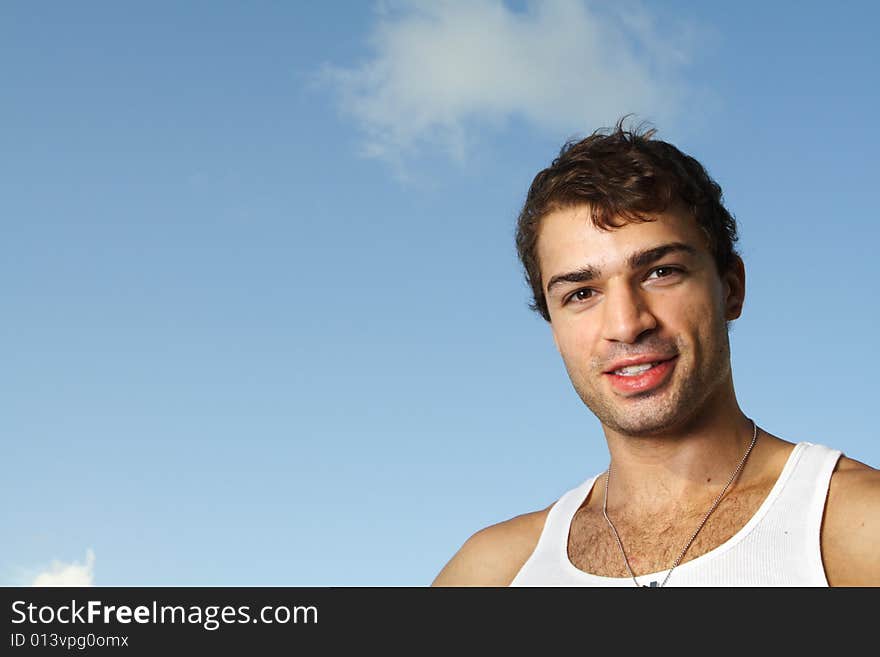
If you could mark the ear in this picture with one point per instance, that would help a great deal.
(734, 289)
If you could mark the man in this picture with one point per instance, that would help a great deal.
(630, 256)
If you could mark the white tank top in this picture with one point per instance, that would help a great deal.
(778, 546)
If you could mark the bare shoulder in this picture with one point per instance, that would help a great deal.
(494, 555)
(854, 489)
(851, 525)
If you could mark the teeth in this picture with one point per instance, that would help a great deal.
(632, 370)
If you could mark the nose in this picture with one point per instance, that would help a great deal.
(626, 314)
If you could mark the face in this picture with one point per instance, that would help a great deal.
(639, 315)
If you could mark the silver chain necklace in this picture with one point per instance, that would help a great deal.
(699, 527)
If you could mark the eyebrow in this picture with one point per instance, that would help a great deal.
(635, 261)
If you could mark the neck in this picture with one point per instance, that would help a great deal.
(688, 462)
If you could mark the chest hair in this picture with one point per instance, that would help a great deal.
(653, 542)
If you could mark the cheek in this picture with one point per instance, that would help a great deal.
(700, 305)
(705, 321)
(575, 343)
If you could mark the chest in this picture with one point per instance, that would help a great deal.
(653, 542)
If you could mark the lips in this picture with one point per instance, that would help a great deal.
(641, 374)
(644, 359)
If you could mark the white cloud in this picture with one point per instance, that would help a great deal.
(442, 68)
(68, 574)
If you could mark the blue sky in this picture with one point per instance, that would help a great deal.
(263, 321)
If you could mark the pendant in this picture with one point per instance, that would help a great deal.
(651, 585)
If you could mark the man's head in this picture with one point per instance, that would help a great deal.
(632, 262)
(624, 175)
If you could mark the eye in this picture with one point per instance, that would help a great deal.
(584, 294)
(665, 271)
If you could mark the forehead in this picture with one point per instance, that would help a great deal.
(567, 239)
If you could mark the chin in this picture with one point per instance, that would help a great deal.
(641, 427)
(646, 417)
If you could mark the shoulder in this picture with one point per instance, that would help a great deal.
(851, 525)
(494, 555)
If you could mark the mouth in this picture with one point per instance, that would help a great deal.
(643, 376)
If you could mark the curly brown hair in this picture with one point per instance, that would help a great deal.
(624, 175)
